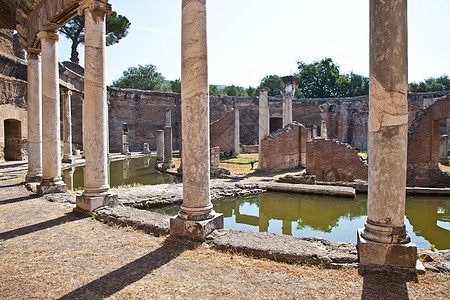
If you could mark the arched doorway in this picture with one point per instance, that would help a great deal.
(13, 136)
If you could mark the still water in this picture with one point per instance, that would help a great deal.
(123, 172)
(336, 219)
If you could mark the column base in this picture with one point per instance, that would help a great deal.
(90, 203)
(195, 230)
(51, 187)
(68, 159)
(33, 178)
(168, 165)
(375, 255)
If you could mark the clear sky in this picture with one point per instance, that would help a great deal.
(248, 39)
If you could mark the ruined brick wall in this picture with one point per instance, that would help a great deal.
(331, 160)
(6, 42)
(221, 122)
(283, 148)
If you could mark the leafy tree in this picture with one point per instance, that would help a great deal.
(213, 90)
(351, 85)
(175, 86)
(431, 85)
(116, 28)
(233, 90)
(142, 78)
(274, 83)
(318, 79)
(251, 91)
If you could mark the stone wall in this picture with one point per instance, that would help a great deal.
(331, 160)
(285, 148)
(6, 42)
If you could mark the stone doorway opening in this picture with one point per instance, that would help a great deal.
(13, 136)
(275, 124)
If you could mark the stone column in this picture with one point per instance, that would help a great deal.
(443, 150)
(168, 117)
(197, 218)
(67, 126)
(34, 114)
(237, 134)
(125, 146)
(383, 241)
(314, 131)
(323, 129)
(288, 94)
(264, 118)
(160, 146)
(51, 132)
(168, 148)
(96, 188)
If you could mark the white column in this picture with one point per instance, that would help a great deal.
(96, 188)
(288, 94)
(34, 114)
(264, 118)
(384, 240)
(236, 143)
(51, 132)
(195, 128)
(67, 126)
(160, 146)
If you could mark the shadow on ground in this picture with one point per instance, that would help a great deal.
(117, 280)
(386, 285)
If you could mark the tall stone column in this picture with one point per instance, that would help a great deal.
(96, 188)
(51, 132)
(264, 118)
(125, 145)
(383, 241)
(34, 114)
(288, 94)
(237, 134)
(197, 218)
(168, 142)
(160, 146)
(67, 126)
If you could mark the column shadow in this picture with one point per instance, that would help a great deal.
(117, 280)
(69, 217)
(386, 284)
(18, 199)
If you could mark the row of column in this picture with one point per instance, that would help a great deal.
(43, 85)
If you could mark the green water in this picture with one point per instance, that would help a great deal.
(336, 219)
(122, 172)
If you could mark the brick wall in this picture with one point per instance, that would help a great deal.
(331, 160)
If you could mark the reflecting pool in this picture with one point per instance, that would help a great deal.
(336, 219)
(128, 171)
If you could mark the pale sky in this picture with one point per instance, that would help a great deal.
(249, 39)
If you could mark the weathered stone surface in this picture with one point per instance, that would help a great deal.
(343, 191)
(90, 203)
(147, 221)
(195, 230)
(285, 248)
(296, 179)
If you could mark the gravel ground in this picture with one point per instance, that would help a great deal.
(47, 251)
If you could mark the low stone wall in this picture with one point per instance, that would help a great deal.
(285, 148)
(331, 160)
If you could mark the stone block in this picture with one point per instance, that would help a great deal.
(43, 189)
(195, 230)
(386, 255)
(89, 204)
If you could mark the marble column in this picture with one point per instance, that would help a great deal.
(263, 118)
(288, 94)
(96, 188)
(237, 134)
(67, 126)
(443, 149)
(196, 218)
(34, 114)
(160, 146)
(168, 148)
(125, 146)
(384, 241)
(51, 132)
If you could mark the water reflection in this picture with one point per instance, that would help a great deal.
(122, 172)
(427, 219)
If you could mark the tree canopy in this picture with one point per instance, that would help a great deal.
(274, 83)
(116, 28)
(431, 85)
(143, 78)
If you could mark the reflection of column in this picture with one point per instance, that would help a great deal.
(34, 114)
(197, 217)
(236, 143)
(67, 126)
(443, 149)
(384, 240)
(96, 190)
(263, 222)
(287, 227)
(160, 146)
(51, 132)
(288, 94)
(68, 177)
(264, 118)
(125, 170)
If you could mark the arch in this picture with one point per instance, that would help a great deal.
(13, 138)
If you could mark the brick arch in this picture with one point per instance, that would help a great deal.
(423, 145)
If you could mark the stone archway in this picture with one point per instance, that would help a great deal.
(13, 137)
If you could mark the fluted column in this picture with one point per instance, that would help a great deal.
(196, 205)
(67, 126)
(264, 118)
(51, 132)
(237, 134)
(34, 114)
(96, 188)
(384, 240)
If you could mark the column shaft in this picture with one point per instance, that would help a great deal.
(160, 146)
(237, 134)
(168, 147)
(67, 127)
(34, 114)
(264, 117)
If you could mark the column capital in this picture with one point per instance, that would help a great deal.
(263, 89)
(67, 92)
(95, 5)
(48, 35)
(33, 54)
